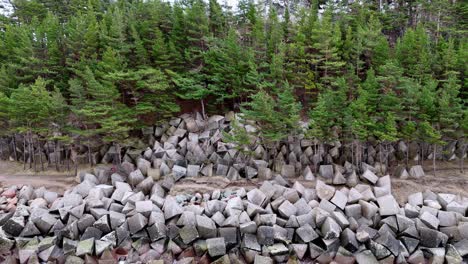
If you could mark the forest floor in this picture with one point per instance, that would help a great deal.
(448, 179)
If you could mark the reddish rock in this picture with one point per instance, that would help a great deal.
(187, 253)
(10, 193)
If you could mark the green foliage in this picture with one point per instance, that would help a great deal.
(102, 68)
(277, 118)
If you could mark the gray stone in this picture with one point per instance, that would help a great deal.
(265, 235)
(415, 199)
(250, 242)
(390, 242)
(338, 178)
(462, 247)
(230, 236)
(306, 233)
(370, 176)
(339, 199)
(221, 170)
(85, 247)
(278, 249)
(256, 197)
(264, 173)
(188, 234)
(366, 257)
(144, 207)
(172, 208)
(288, 171)
(179, 172)
(401, 173)
(103, 224)
(143, 165)
(205, 226)
(416, 172)
(193, 170)
(324, 191)
(216, 246)
(286, 209)
(452, 255)
(74, 260)
(326, 171)
(388, 205)
(302, 207)
(14, 226)
(259, 259)
(30, 230)
(116, 219)
(416, 257)
(136, 223)
(330, 229)
(111, 238)
(248, 227)
(430, 220)
(214, 206)
(135, 177)
(348, 240)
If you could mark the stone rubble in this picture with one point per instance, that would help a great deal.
(128, 213)
(282, 220)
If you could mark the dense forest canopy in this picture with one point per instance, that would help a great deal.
(72, 70)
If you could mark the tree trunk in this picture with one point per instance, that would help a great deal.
(90, 158)
(24, 153)
(203, 108)
(434, 158)
(34, 154)
(387, 161)
(57, 150)
(14, 147)
(67, 159)
(463, 158)
(380, 157)
(407, 154)
(31, 155)
(119, 157)
(48, 154)
(40, 155)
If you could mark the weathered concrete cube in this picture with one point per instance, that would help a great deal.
(216, 246)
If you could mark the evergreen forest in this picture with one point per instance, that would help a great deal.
(73, 71)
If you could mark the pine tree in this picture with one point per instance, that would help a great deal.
(217, 19)
(413, 54)
(276, 118)
(327, 40)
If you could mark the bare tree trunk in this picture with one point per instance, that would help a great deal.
(119, 157)
(57, 157)
(1, 148)
(463, 158)
(31, 155)
(203, 108)
(24, 153)
(90, 158)
(40, 155)
(380, 157)
(48, 154)
(407, 154)
(67, 159)
(34, 154)
(434, 158)
(386, 159)
(14, 147)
